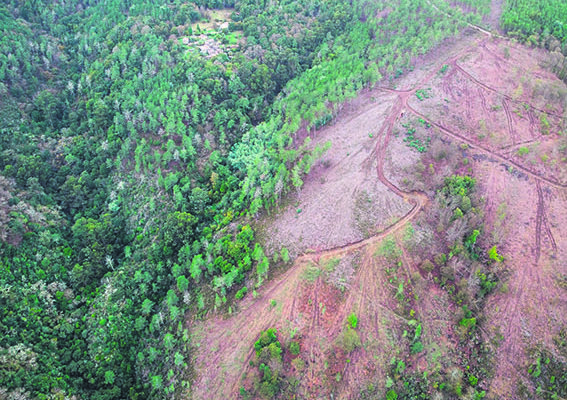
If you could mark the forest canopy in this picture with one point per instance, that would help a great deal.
(139, 139)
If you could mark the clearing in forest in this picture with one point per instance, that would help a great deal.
(363, 227)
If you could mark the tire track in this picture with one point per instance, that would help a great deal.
(514, 331)
(416, 305)
(504, 95)
(543, 221)
(418, 199)
(259, 310)
(549, 234)
(539, 222)
(533, 271)
(451, 61)
(382, 144)
(500, 157)
(468, 106)
(511, 147)
(496, 55)
(447, 84)
(402, 104)
(511, 130)
(511, 310)
(509, 62)
(292, 310)
(422, 200)
(315, 316)
(482, 100)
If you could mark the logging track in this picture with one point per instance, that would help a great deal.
(256, 309)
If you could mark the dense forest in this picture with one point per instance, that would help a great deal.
(536, 21)
(139, 139)
(539, 23)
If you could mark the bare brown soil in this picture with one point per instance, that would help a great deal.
(341, 201)
(496, 106)
(492, 99)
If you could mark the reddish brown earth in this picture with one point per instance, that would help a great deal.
(496, 104)
(492, 99)
(341, 201)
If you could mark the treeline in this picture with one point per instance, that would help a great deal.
(129, 161)
(116, 186)
(384, 42)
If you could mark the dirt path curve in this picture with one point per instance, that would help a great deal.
(535, 175)
(504, 95)
(418, 199)
(227, 346)
(531, 273)
(402, 104)
(231, 342)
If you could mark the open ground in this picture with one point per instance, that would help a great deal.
(481, 106)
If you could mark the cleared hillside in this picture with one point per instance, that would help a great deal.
(487, 308)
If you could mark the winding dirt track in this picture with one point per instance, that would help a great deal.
(497, 155)
(511, 130)
(418, 199)
(288, 282)
(241, 332)
(504, 95)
